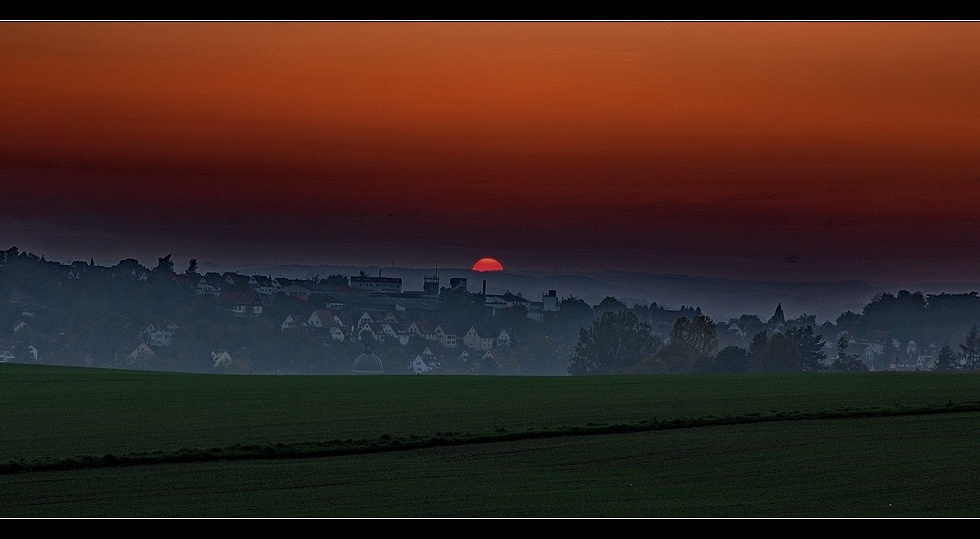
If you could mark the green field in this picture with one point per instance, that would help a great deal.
(106, 443)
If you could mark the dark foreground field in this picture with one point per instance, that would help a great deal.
(101, 443)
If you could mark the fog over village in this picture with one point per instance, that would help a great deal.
(338, 320)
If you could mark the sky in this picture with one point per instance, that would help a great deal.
(775, 151)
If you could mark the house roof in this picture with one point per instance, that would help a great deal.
(262, 280)
(513, 298)
(424, 326)
(325, 315)
(130, 346)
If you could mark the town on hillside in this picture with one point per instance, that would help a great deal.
(136, 317)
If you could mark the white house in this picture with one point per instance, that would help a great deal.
(504, 339)
(476, 340)
(420, 365)
(292, 321)
(222, 358)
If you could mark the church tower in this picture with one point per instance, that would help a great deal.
(778, 317)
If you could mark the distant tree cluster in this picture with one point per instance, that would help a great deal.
(612, 344)
(692, 347)
(967, 359)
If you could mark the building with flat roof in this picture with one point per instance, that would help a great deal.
(378, 284)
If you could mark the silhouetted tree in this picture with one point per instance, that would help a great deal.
(850, 322)
(572, 304)
(781, 354)
(756, 350)
(845, 362)
(970, 348)
(612, 344)
(459, 309)
(165, 264)
(795, 350)
(610, 303)
(903, 315)
(702, 341)
(811, 348)
(572, 315)
(191, 267)
(695, 342)
(946, 360)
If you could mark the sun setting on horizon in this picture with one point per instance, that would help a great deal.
(488, 264)
(755, 150)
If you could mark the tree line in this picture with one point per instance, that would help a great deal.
(619, 343)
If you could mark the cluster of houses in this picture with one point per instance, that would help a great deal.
(390, 326)
(364, 309)
(878, 352)
(396, 327)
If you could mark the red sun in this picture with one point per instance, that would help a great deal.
(488, 264)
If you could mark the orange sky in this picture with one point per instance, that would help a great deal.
(699, 148)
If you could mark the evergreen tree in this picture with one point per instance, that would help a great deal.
(756, 350)
(946, 360)
(811, 348)
(970, 349)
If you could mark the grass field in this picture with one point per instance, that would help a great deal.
(106, 443)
